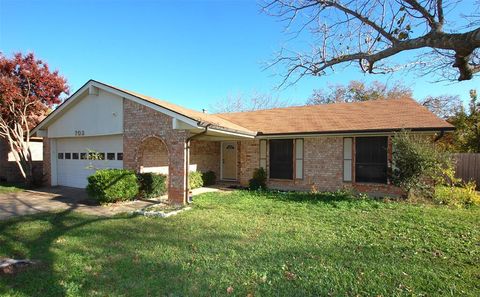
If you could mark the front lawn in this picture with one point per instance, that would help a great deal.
(247, 243)
(9, 188)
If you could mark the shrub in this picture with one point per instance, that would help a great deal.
(259, 180)
(209, 178)
(465, 195)
(195, 180)
(152, 185)
(112, 185)
(418, 164)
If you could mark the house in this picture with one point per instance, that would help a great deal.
(9, 171)
(324, 147)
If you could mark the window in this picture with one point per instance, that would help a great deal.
(299, 158)
(281, 158)
(83, 156)
(371, 159)
(110, 156)
(100, 156)
(68, 156)
(60, 156)
(92, 156)
(119, 156)
(75, 156)
(263, 154)
(347, 159)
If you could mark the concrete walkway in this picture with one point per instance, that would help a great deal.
(64, 198)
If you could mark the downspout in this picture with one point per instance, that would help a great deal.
(187, 153)
(439, 136)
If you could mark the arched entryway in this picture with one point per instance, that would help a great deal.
(153, 156)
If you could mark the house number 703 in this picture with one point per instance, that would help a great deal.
(79, 132)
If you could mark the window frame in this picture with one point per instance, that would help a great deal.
(292, 160)
(384, 162)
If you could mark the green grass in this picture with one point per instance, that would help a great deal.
(262, 244)
(9, 188)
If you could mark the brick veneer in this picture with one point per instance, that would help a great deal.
(141, 122)
(9, 170)
(152, 153)
(206, 155)
(47, 164)
(323, 167)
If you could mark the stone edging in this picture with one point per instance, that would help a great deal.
(159, 214)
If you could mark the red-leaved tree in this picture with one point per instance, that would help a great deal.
(28, 89)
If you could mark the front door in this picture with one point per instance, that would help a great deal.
(229, 160)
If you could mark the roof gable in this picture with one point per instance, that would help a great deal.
(191, 117)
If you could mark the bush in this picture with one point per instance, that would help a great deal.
(195, 180)
(418, 164)
(112, 185)
(209, 178)
(152, 185)
(259, 180)
(457, 196)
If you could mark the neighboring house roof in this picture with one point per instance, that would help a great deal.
(375, 115)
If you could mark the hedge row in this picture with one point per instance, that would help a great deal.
(112, 185)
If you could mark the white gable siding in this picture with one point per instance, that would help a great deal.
(92, 115)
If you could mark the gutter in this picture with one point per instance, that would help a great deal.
(187, 155)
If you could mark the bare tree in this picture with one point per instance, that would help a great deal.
(444, 106)
(237, 103)
(370, 32)
(359, 91)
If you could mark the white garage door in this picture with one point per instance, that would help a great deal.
(78, 158)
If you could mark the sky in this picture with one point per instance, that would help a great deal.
(192, 53)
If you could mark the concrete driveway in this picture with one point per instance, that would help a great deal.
(60, 198)
(65, 198)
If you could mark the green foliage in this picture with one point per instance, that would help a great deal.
(259, 180)
(258, 243)
(112, 185)
(152, 184)
(465, 195)
(209, 178)
(418, 164)
(195, 180)
(10, 188)
(466, 137)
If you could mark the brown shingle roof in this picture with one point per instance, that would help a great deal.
(205, 118)
(378, 115)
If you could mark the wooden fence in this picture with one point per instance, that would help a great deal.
(468, 167)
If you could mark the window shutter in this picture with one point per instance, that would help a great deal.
(263, 154)
(347, 159)
(299, 158)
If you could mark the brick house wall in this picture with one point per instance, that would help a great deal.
(9, 170)
(152, 153)
(206, 155)
(140, 123)
(323, 167)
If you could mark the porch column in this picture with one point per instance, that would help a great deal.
(177, 187)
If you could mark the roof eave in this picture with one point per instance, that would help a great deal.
(353, 132)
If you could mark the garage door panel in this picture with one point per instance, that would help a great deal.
(74, 172)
